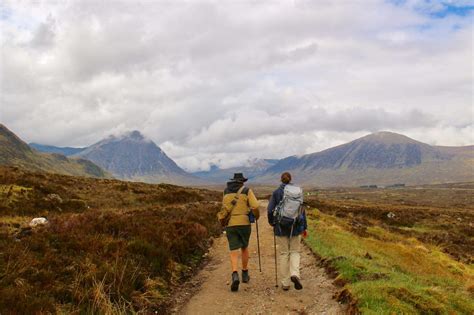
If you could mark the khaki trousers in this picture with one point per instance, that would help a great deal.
(289, 249)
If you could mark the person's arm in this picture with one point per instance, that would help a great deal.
(305, 224)
(254, 204)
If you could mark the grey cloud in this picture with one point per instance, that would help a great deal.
(300, 119)
(217, 81)
(44, 35)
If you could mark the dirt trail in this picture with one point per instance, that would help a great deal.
(259, 296)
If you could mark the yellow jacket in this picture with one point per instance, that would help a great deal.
(246, 202)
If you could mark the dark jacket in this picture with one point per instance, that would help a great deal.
(300, 225)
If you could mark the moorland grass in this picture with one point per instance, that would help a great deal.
(111, 247)
(391, 274)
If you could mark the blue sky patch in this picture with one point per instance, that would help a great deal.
(430, 8)
(453, 10)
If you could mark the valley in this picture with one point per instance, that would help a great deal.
(118, 247)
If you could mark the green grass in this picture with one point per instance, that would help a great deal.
(403, 276)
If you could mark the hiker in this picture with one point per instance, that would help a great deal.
(238, 205)
(286, 215)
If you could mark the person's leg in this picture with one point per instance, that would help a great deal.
(245, 258)
(233, 238)
(245, 263)
(294, 263)
(283, 248)
(295, 255)
(234, 260)
(244, 237)
(244, 233)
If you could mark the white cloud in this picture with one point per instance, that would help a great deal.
(222, 81)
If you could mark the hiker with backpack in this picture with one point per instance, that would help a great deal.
(239, 209)
(287, 216)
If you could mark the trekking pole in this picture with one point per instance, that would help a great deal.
(276, 272)
(258, 247)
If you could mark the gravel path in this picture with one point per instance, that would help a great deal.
(210, 293)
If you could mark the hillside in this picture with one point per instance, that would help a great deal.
(397, 251)
(253, 168)
(381, 158)
(111, 247)
(15, 152)
(133, 157)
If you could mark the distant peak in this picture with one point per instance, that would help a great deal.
(388, 137)
(214, 167)
(386, 134)
(135, 134)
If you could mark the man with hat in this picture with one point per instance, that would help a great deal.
(240, 201)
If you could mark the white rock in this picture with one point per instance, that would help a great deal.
(38, 221)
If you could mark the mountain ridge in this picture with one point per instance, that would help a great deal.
(132, 156)
(378, 158)
(15, 152)
(67, 151)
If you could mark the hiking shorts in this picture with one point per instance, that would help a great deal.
(238, 236)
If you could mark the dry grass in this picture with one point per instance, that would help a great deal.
(111, 247)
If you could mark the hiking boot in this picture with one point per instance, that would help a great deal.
(235, 282)
(245, 276)
(285, 287)
(296, 281)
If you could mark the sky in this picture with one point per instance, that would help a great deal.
(221, 82)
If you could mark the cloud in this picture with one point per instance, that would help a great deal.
(222, 81)
(44, 35)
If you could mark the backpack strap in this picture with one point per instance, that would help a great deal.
(236, 197)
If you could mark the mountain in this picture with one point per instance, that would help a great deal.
(133, 157)
(67, 151)
(252, 168)
(382, 158)
(15, 152)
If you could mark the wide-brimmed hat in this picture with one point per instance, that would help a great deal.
(239, 177)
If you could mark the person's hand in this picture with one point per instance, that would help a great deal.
(305, 234)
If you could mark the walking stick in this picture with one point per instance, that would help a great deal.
(258, 247)
(276, 271)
